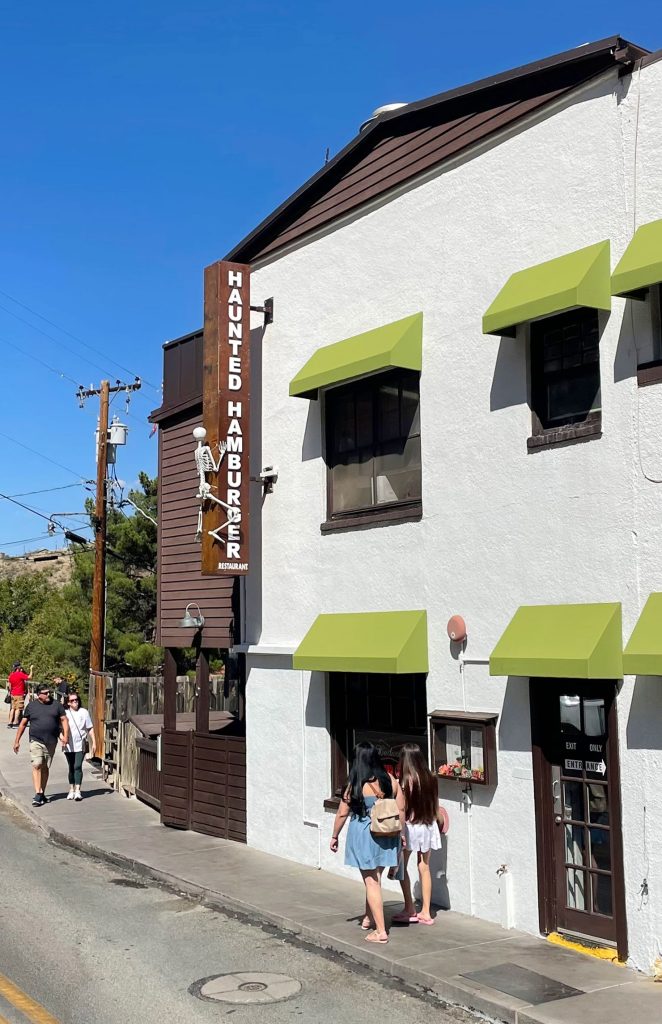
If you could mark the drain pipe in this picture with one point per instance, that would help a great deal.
(305, 819)
(467, 801)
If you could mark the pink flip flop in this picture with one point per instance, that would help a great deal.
(404, 919)
(421, 920)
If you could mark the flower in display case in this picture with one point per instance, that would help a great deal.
(459, 770)
(463, 746)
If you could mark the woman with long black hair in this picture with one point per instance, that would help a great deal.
(369, 782)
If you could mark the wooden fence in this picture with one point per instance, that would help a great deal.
(144, 696)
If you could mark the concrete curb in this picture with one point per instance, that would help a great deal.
(450, 992)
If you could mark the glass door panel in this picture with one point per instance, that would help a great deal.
(580, 803)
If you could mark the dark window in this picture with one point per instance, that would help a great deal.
(373, 443)
(565, 372)
(649, 369)
(655, 303)
(382, 709)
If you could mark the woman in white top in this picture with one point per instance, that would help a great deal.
(423, 814)
(80, 728)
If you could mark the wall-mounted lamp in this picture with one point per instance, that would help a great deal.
(192, 621)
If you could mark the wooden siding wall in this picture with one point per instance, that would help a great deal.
(396, 150)
(182, 370)
(399, 158)
(180, 579)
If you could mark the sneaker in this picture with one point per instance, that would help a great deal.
(70, 795)
(38, 799)
(78, 795)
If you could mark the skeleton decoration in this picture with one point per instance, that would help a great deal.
(206, 463)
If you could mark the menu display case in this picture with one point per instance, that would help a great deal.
(463, 745)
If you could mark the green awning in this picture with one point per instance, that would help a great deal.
(561, 641)
(641, 264)
(643, 654)
(577, 279)
(399, 344)
(394, 642)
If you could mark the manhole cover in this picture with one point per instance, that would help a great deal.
(247, 987)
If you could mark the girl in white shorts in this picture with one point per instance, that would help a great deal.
(422, 814)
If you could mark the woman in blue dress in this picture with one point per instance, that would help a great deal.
(369, 781)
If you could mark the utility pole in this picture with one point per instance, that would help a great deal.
(97, 651)
(98, 638)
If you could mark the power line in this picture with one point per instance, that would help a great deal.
(38, 359)
(49, 490)
(59, 373)
(26, 540)
(75, 337)
(57, 341)
(49, 519)
(41, 455)
(27, 508)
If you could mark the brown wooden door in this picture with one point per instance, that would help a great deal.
(578, 811)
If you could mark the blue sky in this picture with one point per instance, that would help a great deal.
(141, 141)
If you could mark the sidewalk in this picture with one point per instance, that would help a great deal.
(506, 975)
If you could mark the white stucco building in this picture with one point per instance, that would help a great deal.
(433, 468)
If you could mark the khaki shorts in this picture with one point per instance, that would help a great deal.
(18, 703)
(40, 753)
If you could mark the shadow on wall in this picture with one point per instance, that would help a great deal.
(625, 360)
(438, 860)
(515, 718)
(316, 717)
(272, 661)
(644, 728)
(635, 340)
(254, 579)
(482, 796)
(509, 383)
(312, 438)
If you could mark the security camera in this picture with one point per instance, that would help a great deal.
(268, 476)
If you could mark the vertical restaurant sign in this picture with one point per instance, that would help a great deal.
(226, 415)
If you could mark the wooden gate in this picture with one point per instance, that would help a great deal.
(218, 799)
(203, 784)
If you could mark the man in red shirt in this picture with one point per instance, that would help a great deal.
(18, 687)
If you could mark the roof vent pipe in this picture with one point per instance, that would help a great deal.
(386, 109)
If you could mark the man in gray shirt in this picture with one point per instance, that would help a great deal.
(48, 723)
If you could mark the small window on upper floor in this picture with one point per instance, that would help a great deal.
(565, 378)
(373, 450)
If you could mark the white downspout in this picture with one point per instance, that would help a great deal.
(307, 821)
(466, 795)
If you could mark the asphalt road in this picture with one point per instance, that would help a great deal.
(94, 945)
